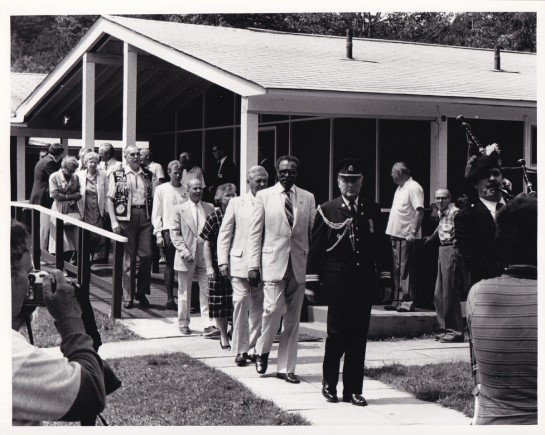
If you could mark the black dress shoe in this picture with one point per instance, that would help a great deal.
(240, 359)
(127, 305)
(143, 300)
(355, 399)
(329, 394)
(261, 363)
(252, 357)
(288, 377)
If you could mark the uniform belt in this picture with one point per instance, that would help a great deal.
(138, 206)
(447, 244)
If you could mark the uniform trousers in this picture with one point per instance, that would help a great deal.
(282, 299)
(196, 269)
(451, 281)
(138, 231)
(247, 315)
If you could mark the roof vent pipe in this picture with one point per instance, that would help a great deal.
(497, 61)
(349, 44)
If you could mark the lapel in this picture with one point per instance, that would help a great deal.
(188, 217)
(280, 203)
(343, 208)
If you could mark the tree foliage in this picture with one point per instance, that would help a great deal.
(38, 43)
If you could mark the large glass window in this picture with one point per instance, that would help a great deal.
(356, 138)
(191, 142)
(190, 116)
(219, 107)
(405, 141)
(310, 144)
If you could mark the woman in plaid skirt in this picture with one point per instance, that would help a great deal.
(220, 300)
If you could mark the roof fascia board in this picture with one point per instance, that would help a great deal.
(290, 93)
(198, 67)
(60, 71)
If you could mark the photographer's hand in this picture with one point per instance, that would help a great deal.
(62, 304)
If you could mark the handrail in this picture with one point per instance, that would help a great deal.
(71, 221)
(83, 251)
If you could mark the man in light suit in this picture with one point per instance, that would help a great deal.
(278, 240)
(233, 262)
(189, 220)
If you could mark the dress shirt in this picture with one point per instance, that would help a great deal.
(491, 205)
(445, 229)
(137, 183)
(197, 208)
(355, 202)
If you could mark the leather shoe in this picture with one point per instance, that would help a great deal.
(240, 359)
(143, 300)
(127, 305)
(329, 394)
(261, 363)
(355, 399)
(252, 357)
(288, 377)
(449, 337)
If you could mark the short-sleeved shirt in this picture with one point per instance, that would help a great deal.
(157, 173)
(407, 199)
(445, 229)
(194, 172)
(137, 183)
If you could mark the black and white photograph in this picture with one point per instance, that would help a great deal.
(272, 215)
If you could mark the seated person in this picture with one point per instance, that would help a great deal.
(502, 319)
(46, 386)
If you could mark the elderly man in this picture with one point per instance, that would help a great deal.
(167, 196)
(39, 195)
(232, 261)
(130, 206)
(474, 224)
(451, 276)
(345, 254)
(46, 386)
(189, 218)
(278, 241)
(404, 228)
(157, 172)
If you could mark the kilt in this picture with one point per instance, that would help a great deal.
(220, 299)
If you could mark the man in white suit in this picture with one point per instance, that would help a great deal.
(189, 220)
(278, 240)
(233, 262)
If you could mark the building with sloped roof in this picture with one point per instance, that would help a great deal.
(262, 94)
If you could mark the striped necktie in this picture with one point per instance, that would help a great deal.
(288, 205)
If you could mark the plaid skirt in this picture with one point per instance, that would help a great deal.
(220, 298)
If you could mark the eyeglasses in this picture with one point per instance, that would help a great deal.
(288, 172)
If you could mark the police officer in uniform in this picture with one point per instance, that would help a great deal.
(346, 251)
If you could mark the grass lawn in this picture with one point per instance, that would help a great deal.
(46, 335)
(448, 384)
(175, 390)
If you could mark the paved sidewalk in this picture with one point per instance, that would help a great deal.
(387, 406)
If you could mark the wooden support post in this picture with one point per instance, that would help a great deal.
(36, 248)
(21, 164)
(88, 104)
(439, 155)
(129, 94)
(117, 292)
(248, 141)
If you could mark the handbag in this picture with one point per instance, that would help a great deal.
(73, 212)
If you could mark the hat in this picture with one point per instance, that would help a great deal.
(350, 168)
(480, 166)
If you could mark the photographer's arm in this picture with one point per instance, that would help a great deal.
(77, 347)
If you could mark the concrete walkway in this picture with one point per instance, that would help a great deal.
(387, 406)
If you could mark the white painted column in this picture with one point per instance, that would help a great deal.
(439, 153)
(248, 142)
(88, 104)
(129, 94)
(21, 160)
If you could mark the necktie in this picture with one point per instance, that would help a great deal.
(197, 217)
(352, 208)
(288, 205)
(499, 206)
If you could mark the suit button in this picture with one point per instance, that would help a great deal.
(357, 264)
(357, 240)
(357, 252)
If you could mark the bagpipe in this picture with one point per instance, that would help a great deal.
(474, 148)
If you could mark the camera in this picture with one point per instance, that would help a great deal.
(35, 295)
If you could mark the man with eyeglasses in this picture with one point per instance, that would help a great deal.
(130, 207)
(278, 242)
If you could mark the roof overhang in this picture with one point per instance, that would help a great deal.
(103, 26)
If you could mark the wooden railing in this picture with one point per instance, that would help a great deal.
(83, 269)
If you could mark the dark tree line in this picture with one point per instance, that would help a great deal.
(38, 43)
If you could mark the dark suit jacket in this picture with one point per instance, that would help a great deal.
(40, 189)
(475, 228)
(347, 274)
(227, 174)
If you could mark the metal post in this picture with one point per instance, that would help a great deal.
(36, 248)
(117, 295)
(59, 244)
(84, 260)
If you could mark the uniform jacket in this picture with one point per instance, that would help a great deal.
(184, 235)
(40, 189)
(271, 241)
(343, 266)
(102, 186)
(233, 235)
(475, 229)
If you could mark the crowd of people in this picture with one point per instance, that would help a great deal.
(256, 257)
